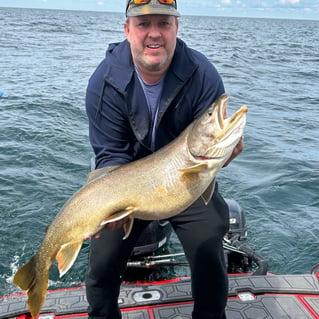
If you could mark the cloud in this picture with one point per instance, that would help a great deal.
(289, 2)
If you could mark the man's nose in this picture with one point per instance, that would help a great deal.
(154, 31)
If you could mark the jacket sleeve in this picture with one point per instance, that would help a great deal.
(109, 131)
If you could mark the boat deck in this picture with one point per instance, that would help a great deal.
(250, 297)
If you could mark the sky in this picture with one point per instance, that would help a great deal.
(288, 9)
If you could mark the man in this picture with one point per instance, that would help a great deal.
(145, 92)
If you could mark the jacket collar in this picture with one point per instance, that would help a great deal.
(120, 67)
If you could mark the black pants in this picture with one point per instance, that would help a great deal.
(200, 229)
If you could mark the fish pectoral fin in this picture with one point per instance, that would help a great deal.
(127, 227)
(100, 172)
(118, 215)
(66, 256)
(198, 168)
(207, 195)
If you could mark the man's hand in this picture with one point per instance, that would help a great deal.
(237, 150)
(112, 226)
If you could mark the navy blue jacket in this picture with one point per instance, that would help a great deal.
(119, 119)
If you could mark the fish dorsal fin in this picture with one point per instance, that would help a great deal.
(207, 195)
(99, 172)
(66, 256)
(198, 168)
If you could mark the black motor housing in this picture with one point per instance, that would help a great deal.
(237, 220)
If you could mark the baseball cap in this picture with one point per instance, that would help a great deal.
(142, 7)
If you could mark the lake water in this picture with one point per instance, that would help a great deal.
(46, 58)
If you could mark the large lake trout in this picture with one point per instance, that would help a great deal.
(158, 186)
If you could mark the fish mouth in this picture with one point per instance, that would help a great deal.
(229, 125)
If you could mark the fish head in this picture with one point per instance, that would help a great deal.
(213, 136)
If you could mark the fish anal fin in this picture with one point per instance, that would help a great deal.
(198, 168)
(118, 215)
(207, 195)
(35, 282)
(66, 256)
(127, 227)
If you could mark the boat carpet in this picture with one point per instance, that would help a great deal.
(271, 296)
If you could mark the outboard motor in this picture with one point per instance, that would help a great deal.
(239, 256)
(237, 220)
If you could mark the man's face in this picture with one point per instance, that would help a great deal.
(153, 41)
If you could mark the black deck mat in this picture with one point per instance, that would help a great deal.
(72, 301)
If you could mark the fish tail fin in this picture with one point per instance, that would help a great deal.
(27, 278)
(24, 278)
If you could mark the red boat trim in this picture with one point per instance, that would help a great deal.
(307, 306)
(53, 290)
(149, 309)
(26, 316)
(72, 316)
(167, 281)
(15, 295)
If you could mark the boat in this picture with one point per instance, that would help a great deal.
(147, 294)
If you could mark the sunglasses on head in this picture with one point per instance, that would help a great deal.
(141, 2)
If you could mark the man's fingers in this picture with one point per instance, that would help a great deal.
(117, 224)
(237, 150)
(112, 226)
